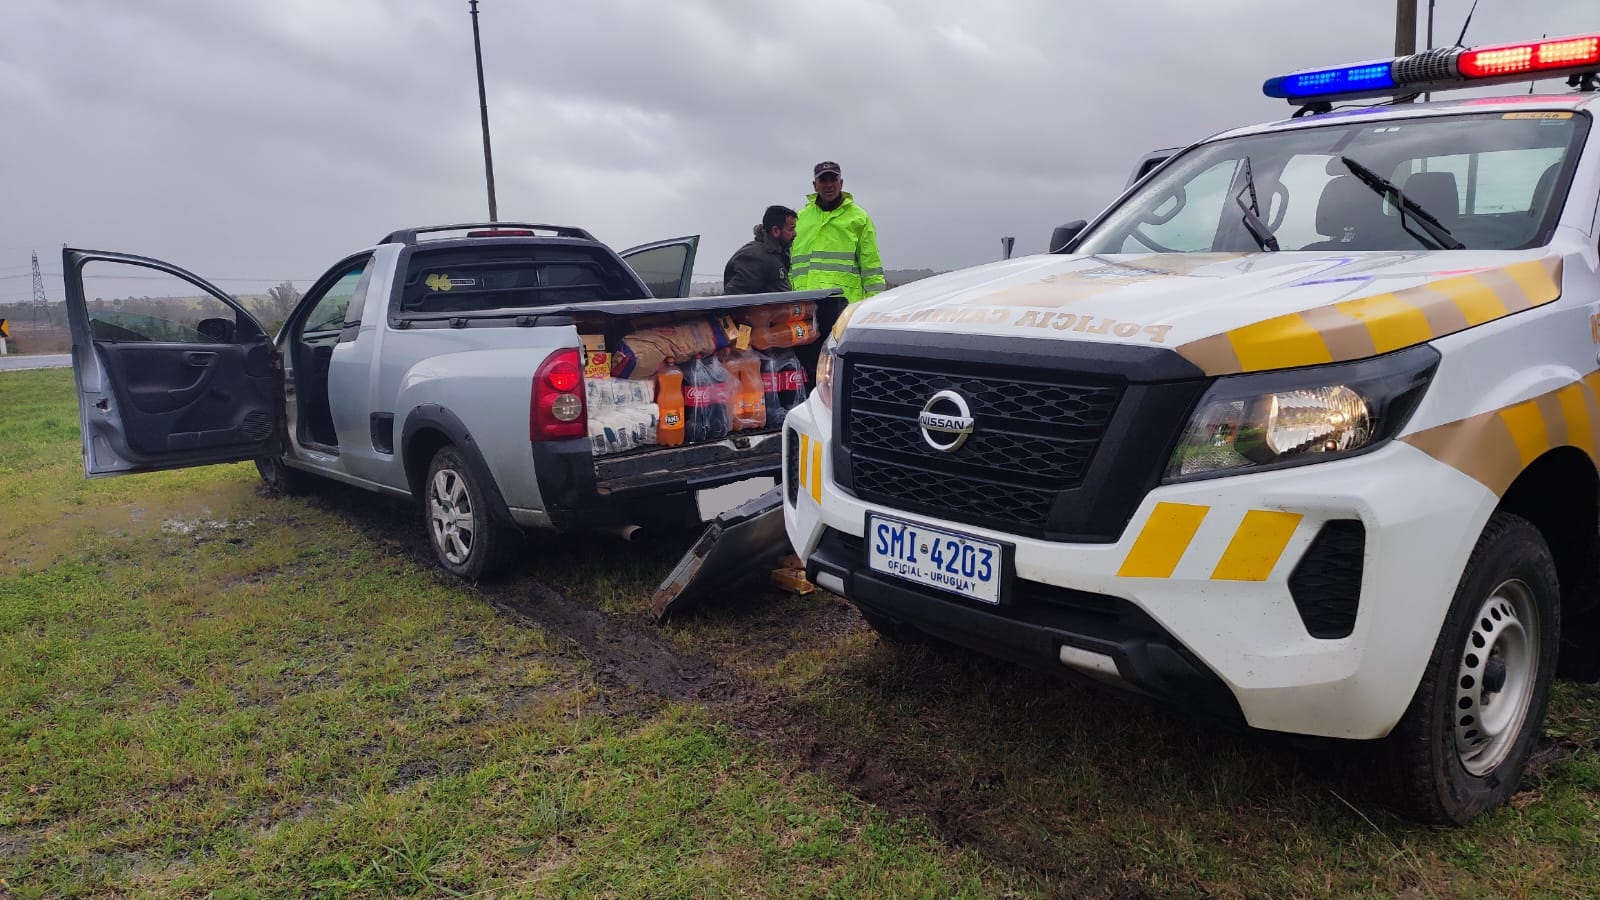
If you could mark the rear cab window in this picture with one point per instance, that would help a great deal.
(483, 277)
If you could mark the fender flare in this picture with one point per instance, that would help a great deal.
(434, 416)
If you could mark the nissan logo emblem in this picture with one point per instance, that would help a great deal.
(946, 421)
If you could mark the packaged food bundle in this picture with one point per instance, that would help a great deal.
(597, 359)
(642, 353)
(780, 324)
(622, 414)
(605, 394)
(747, 407)
(608, 433)
(629, 392)
(623, 428)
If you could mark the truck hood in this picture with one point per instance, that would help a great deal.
(1229, 312)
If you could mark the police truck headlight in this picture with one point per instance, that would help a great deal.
(1291, 417)
(825, 361)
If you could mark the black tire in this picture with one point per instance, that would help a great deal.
(285, 480)
(1580, 619)
(1462, 745)
(466, 540)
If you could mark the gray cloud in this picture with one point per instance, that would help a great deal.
(269, 138)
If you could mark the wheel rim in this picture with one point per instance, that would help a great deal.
(450, 516)
(1496, 676)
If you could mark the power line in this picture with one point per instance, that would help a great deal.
(275, 279)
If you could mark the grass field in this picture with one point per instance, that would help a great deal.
(205, 689)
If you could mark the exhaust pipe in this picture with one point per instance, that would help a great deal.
(628, 533)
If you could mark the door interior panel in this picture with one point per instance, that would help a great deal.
(191, 396)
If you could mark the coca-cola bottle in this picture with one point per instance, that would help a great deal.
(769, 390)
(705, 401)
(784, 381)
(723, 386)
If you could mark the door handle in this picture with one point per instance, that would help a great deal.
(199, 358)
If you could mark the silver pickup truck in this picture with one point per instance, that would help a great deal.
(443, 365)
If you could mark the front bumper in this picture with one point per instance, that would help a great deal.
(1192, 602)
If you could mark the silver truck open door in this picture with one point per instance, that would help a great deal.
(737, 543)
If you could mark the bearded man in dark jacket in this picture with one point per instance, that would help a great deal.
(762, 266)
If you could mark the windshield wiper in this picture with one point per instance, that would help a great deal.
(1252, 211)
(1440, 236)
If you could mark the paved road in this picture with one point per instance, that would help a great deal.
(40, 361)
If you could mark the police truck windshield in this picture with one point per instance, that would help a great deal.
(1491, 181)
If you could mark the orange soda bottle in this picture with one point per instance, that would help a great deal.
(669, 405)
(749, 406)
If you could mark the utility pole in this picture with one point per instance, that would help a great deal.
(1405, 27)
(483, 109)
(1405, 32)
(41, 303)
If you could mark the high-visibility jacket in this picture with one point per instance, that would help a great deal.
(837, 248)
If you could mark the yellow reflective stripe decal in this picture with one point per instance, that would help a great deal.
(1476, 300)
(816, 471)
(1495, 447)
(1280, 343)
(1392, 322)
(1527, 430)
(1163, 540)
(1539, 280)
(1256, 545)
(1574, 402)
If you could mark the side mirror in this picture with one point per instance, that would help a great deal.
(220, 331)
(1063, 235)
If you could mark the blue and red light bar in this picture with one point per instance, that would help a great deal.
(1437, 70)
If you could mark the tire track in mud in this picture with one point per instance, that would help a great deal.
(631, 658)
(638, 671)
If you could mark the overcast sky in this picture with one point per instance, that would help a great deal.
(263, 139)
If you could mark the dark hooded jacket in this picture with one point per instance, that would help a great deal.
(758, 267)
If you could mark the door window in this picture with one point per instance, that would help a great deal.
(128, 303)
(661, 268)
(330, 312)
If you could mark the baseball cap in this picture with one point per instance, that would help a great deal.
(824, 167)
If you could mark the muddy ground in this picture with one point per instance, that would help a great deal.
(720, 657)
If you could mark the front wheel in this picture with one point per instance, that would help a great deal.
(279, 478)
(1461, 746)
(465, 537)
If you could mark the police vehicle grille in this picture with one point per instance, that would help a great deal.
(1034, 436)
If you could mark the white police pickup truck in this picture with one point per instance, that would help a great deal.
(448, 364)
(1301, 430)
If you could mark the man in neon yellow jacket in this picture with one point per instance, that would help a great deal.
(835, 244)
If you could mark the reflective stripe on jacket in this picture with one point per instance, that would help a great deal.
(837, 248)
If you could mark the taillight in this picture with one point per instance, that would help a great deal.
(556, 410)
